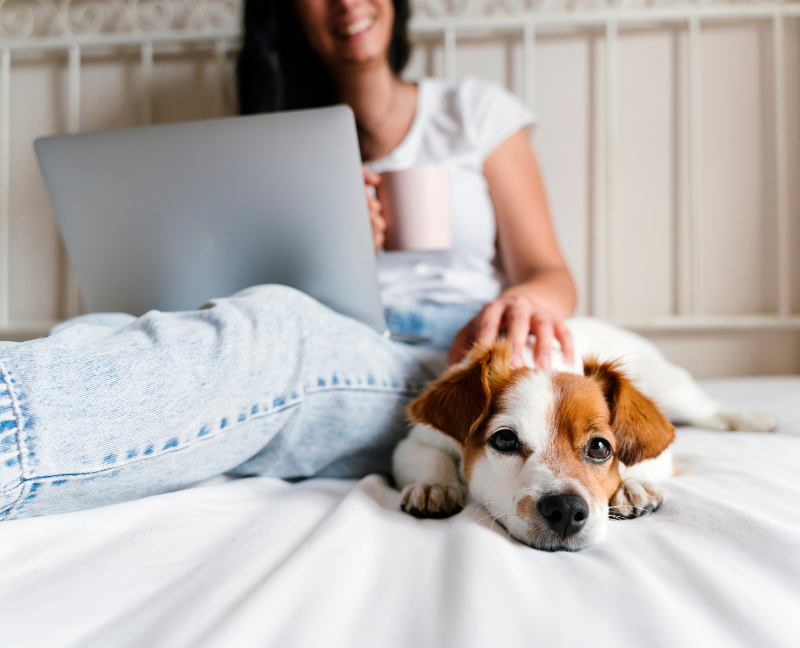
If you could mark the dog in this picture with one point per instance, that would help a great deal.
(552, 454)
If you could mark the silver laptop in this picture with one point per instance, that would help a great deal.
(167, 217)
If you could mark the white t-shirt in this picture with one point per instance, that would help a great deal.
(457, 125)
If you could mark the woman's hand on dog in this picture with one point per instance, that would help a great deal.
(519, 315)
(376, 217)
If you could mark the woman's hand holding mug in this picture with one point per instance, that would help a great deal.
(376, 217)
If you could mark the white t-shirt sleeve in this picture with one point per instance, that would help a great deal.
(493, 115)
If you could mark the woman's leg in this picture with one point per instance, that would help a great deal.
(265, 382)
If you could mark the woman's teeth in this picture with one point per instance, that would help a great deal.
(357, 27)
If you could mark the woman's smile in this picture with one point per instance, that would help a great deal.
(344, 33)
(355, 29)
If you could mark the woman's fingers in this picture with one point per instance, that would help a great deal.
(518, 328)
(378, 224)
(489, 322)
(564, 338)
(376, 210)
(461, 344)
(542, 328)
(378, 238)
(377, 221)
(371, 178)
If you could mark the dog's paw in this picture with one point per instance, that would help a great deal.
(633, 499)
(726, 420)
(432, 500)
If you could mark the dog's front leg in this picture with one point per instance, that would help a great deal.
(426, 469)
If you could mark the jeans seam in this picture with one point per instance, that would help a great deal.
(362, 388)
(17, 420)
(196, 440)
(191, 443)
(262, 414)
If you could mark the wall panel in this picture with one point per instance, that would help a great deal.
(653, 170)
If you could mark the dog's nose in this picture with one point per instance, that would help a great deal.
(565, 514)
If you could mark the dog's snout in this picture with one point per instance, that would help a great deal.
(565, 514)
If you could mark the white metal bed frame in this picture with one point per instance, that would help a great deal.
(75, 26)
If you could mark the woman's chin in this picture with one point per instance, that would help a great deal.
(365, 47)
(350, 55)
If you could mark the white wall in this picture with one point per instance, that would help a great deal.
(185, 89)
(738, 173)
(740, 272)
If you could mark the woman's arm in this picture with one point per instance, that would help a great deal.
(541, 290)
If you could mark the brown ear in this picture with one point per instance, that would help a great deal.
(458, 401)
(641, 430)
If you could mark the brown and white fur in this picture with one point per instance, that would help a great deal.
(555, 489)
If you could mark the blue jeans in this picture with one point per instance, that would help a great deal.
(268, 382)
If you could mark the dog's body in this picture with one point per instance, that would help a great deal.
(550, 454)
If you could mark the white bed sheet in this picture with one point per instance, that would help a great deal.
(260, 562)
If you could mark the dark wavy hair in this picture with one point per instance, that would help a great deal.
(278, 70)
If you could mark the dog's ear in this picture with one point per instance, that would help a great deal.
(458, 401)
(641, 430)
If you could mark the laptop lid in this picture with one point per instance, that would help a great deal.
(167, 217)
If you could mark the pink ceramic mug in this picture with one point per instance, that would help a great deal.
(416, 205)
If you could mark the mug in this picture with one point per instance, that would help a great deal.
(416, 206)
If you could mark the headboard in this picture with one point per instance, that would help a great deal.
(668, 137)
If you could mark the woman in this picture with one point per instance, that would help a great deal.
(268, 381)
(312, 53)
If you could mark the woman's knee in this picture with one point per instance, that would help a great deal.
(113, 321)
(272, 296)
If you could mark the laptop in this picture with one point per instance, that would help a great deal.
(168, 217)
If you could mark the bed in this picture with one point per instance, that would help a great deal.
(263, 562)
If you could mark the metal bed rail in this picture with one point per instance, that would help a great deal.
(74, 27)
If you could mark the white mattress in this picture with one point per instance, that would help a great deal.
(259, 562)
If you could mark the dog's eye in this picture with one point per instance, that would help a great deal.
(504, 441)
(599, 450)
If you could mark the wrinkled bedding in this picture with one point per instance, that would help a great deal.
(262, 562)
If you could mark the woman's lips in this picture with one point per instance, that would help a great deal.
(355, 28)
